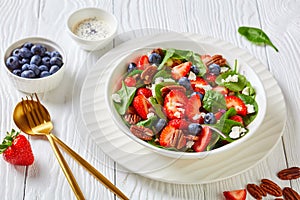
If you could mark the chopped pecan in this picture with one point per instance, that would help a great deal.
(148, 74)
(290, 194)
(271, 188)
(165, 90)
(141, 132)
(217, 59)
(278, 199)
(177, 140)
(289, 173)
(255, 191)
(132, 118)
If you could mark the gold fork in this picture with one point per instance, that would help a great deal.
(39, 113)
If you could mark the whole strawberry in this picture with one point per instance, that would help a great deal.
(16, 149)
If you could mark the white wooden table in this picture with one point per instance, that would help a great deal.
(280, 19)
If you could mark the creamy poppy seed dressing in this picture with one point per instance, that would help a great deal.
(92, 29)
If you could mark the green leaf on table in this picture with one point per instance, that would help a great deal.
(126, 95)
(256, 36)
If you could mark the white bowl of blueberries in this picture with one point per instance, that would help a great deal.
(35, 64)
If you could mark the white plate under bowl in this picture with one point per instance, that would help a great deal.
(139, 159)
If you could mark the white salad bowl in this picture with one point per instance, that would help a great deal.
(118, 70)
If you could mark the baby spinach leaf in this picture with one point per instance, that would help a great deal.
(134, 72)
(249, 100)
(233, 86)
(169, 53)
(148, 122)
(126, 94)
(213, 101)
(162, 73)
(256, 36)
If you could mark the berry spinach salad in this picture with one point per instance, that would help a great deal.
(176, 99)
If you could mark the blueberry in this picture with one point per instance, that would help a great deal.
(56, 61)
(16, 53)
(131, 67)
(155, 58)
(25, 67)
(25, 53)
(56, 54)
(46, 61)
(24, 61)
(44, 74)
(194, 128)
(34, 68)
(43, 68)
(38, 49)
(185, 82)
(36, 59)
(160, 124)
(12, 62)
(54, 69)
(214, 69)
(17, 72)
(28, 45)
(210, 118)
(195, 69)
(28, 74)
(48, 54)
(199, 94)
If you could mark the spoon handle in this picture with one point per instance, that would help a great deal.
(68, 173)
(90, 169)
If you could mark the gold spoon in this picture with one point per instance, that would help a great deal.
(22, 122)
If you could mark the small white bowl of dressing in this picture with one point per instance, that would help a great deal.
(92, 28)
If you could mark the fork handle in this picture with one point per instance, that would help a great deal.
(67, 171)
(90, 169)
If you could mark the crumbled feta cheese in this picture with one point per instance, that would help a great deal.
(198, 116)
(169, 80)
(192, 76)
(246, 91)
(177, 114)
(189, 144)
(250, 108)
(236, 132)
(205, 87)
(178, 104)
(158, 80)
(231, 78)
(150, 114)
(116, 98)
(182, 110)
(238, 108)
(224, 69)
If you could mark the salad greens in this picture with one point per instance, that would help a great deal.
(126, 94)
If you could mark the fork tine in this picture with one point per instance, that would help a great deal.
(41, 109)
(33, 112)
(27, 113)
(37, 110)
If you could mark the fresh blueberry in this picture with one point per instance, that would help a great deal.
(44, 74)
(28, 45)
(25, 53)
(25, 67)
(12, 62)
(48, 54)
(56, 54)
(24, 61)
(17, 72)
(155, 58)
(53, 69)
(160, 124)
(185, 82)
(195, 69)
(194, 128)
(34, 68)
(36, 59)
(43, 68)
(131, 67)
(199, 94)
(46, 61)
(38, 49)
(16, 53)
(56, 61)
(210, 118)
(28, 74)
(214, 69)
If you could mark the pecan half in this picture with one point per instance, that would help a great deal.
(148, 74)
(289, 173)
(255, 191)
(132, 118)
(141, 132)
(271, 188)
(217, 59)
(177, 139)
(165, 90)
(290, 194)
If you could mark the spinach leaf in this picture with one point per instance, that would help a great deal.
(162, 73)
(169, 53)
(249, 100)
(134, 72)
(256, 36)
(158, 109)
(213, 101)
(126, 94)
(148, 122)
(233, 86)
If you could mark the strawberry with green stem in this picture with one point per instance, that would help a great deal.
(16, 149)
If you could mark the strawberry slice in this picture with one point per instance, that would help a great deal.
(181, 70)
(198, 84)
(221, 89)
(235, 194)
(174, 104)
(141, 105)
(237, 118)
(172, 137)
(203, 141)
(130, 81)
(237, 104)
(179, 123)
(218, 115)
(192, 108)
(143, 62)
(144, 91)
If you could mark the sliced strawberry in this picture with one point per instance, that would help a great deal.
(218, 115)
(235, 194)
(198, 84)
(221, 89)
(130, 81)
(179, 123)
(143, 62)
(237, 118)
(141, 105)
(181, 70)
(144, 91)
(237, 104)
(203, 141)
(192, 108)
(211, 79)
(172, 137)
(174, 104)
